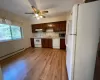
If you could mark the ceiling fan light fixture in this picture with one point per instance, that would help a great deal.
(41, 16)
(38, 18)
(36, 15)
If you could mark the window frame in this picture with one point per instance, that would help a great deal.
(21, 31)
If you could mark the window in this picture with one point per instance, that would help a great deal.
(16, 32)
(8, 32)
(5, 32)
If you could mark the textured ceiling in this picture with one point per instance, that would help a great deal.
(55, 7)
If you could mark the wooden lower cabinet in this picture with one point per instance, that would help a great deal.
(62, 44)
(50, 43)
(46, 43)
(32, 42)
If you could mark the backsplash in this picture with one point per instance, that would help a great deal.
(45, 34)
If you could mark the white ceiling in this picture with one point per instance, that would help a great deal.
(55, 7)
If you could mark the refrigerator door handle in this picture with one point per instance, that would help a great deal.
(72, 34)
(66, 40)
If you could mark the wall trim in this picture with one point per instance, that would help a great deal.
(11, 54)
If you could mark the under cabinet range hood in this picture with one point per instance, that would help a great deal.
(49, 30)
(39, 30)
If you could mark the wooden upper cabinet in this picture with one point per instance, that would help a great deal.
(38, 26)
(56, 26)
(62, 26)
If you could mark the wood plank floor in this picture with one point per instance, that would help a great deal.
(35, 64)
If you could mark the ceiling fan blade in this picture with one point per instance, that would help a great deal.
(29, 13)
(43, 12)
(44, 16)
(34, 9)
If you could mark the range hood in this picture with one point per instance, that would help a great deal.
(49, 30)
(39, 30)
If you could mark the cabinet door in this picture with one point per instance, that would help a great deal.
(56, 27)
(44, 43)
(32, 42)
(62, 26)
(49, 43)
(56, 43)
(49, 25)
(38, 26)
(43, 25)
(62, 44)
(33, 28)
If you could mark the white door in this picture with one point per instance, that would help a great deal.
(56, 43)
(71, 43)
(71, 55)
(87, 40)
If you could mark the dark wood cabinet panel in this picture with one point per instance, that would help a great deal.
(62, 44)
(49, 43)
(62, 25)
(46, 43)
(56, 26)
(87, 1)
(33, 28)
(32, 42)
(38, 26)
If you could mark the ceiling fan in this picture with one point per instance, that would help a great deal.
(38, 13)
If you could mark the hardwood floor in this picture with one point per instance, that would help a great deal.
(35, 64)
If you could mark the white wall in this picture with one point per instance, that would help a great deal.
(50, 19)
(69, 16)
(11, 46)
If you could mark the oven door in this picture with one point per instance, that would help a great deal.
(37, 41)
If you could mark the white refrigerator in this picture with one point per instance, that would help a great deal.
(82, 40)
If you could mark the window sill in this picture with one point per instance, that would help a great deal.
(10, 40)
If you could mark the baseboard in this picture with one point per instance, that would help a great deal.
(11, 54)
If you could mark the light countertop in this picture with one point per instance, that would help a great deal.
(49, 37)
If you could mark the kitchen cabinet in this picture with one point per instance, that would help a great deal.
(38, 26)
(62, 44)
(56, 43)
(49, 43)
(46, 43)
(32, 42)
(59, 26)
(56, 27)
(62, 26)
